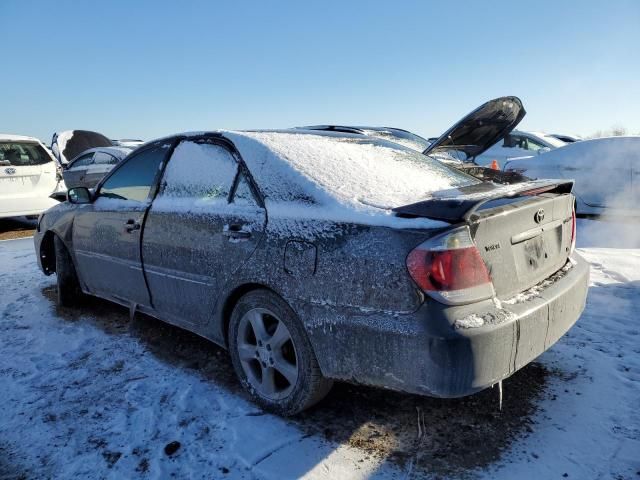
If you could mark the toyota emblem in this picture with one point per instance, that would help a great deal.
(539, 216)
(10, 171)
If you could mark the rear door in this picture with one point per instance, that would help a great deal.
(205, 222)
(106, 233)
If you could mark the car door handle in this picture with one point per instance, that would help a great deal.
(131, 225)
(571, 169)
(235, 231)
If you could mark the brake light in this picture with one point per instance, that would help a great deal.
(449, 268)
(573, 229)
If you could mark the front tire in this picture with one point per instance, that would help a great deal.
(272, 355)
(68, 286)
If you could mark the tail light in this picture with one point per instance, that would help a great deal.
(573, 228)
(449, 268)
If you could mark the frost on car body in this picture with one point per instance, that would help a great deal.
(350, 257)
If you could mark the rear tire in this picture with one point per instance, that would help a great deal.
(69, 292)
(272, 355)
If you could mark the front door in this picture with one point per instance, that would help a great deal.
(203, 225)
(106, 233)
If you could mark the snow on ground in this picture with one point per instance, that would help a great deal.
(86, 393)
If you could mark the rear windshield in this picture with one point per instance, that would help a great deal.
(403, 138)
(20, 154)
(354, 169)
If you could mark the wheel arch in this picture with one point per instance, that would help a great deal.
(232, 300)
(48, 253)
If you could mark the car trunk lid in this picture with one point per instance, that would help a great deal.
(524, 241)
(522, 231)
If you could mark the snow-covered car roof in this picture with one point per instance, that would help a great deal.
(332, 169)
(17, 138)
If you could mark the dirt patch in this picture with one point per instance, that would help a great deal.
(439, 436)
(18, 227)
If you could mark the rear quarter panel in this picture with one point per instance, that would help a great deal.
(335, 265)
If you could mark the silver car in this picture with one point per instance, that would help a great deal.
(88, 168)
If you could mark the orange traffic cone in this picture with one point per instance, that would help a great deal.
(494, 165)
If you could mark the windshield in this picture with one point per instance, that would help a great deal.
(352, 169)
(407, 139)
(20, 154)
(556, 142)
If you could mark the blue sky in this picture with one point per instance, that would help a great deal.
(146, 69)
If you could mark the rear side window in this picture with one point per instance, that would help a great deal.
(19, 154)
(133, 180)
(244, 195)
(83, 161)
(102, 158)
(199, 170)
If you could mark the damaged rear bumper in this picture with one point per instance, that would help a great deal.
(448, 351)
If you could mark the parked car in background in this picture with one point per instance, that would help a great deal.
(68, 144)
(518, 144)
(315, 256)
(397, 135)
(88, 168)
(28, 175)
(566, 138)
(606, 173)
(461, 143)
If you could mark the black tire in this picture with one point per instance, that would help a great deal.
(69, 292)
(310, 385)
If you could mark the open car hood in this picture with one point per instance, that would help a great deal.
(480, 129)
(68, 144)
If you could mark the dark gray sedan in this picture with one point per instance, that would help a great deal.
(315, 256)
(88, 168)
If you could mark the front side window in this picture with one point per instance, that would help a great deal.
(532, 145)
(133, 180)
(22, 154)
(200, 171)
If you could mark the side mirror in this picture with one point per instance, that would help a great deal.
(79, 195)
(543, 150)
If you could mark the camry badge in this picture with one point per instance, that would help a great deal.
(10, 171)
(539, 216)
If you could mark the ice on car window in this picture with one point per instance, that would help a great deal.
(243, 195)
(199, 170)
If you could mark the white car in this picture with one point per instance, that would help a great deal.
(518, 144)
(28, 175)
(606, 173)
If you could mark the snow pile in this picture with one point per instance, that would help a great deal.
(471, 321)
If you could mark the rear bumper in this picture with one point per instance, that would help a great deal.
(427, 352)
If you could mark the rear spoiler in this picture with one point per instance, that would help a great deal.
(458, 204)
